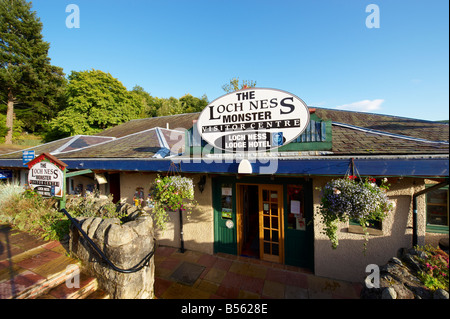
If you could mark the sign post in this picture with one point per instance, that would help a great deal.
(47, 177)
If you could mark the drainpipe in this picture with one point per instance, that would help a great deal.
(415, 222)
(181, 231)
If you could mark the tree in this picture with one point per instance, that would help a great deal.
(26, 75)
(95, 101)
(234, 85)
(150, 104)
(192, 104)
(170, 106)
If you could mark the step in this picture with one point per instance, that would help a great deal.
(33, 288)
(88, 289)
(40, 273)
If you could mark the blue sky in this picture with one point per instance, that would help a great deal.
(321, 51)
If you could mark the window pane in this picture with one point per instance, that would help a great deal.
(275, 250)
(267, 234)
(437, 207)
(275, 222)
(274, 209)
(267, 221)
(265, 195)
(275, 236)
(267, 248)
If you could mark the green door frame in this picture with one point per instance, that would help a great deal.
(299, 244)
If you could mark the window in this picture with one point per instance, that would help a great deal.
(437, 210)
(296, 208)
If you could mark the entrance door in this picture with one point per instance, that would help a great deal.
(271, 238)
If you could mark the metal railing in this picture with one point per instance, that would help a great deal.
(133, 269)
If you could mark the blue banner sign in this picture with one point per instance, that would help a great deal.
(27, 156)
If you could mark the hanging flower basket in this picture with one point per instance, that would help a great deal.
(346, 198)
(171, 193)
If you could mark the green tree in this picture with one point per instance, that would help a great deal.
(26, 76)
(95, 101)
(150, 104)
(192, 104)
(234, 85)
(170, 106)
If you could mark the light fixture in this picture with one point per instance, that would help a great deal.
(245, 167)
(201, 183)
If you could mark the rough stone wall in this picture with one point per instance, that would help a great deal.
(125, 245)
(398, 280)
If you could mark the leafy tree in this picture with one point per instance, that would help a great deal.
(150, 104)
(26, 76)
(170, 106)
(233, 85)
(95, 101)
(192, 104)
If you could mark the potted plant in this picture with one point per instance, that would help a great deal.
(171, 193)
(349, 198)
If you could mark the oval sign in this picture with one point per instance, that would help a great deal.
(254, 119)
(46, 179)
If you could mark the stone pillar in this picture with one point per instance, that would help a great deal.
(125, 245)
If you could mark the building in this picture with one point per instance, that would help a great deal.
(236, 190)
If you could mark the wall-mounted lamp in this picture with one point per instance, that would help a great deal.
(245, 167)
(201, 183)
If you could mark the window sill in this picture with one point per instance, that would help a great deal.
(357, 229)
(437, 229)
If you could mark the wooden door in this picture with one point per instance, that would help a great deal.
(271, 236)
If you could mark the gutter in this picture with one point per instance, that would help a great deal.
(415, 220)
(423, 166)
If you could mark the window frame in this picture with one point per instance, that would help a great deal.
(433, 228)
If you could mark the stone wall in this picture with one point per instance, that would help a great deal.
(398, 280)
(125, 244)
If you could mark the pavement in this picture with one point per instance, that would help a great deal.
(26, 260)
(223, 276)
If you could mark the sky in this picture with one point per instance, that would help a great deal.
(380, 56)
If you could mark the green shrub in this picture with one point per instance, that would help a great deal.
(29, 212)
(434, 261)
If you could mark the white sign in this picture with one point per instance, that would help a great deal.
(46, 179)
(254, 119)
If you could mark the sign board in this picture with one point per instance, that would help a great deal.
(5, 173)
(46, 176)
(255, 119)
(27, 156)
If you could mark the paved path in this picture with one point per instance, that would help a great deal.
(233, 277)
(26, 260)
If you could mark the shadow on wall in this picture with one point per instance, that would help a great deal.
(198, 231)
(348, 261)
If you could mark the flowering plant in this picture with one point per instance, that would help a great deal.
(347, 198)
(434, 262)
(171, 193)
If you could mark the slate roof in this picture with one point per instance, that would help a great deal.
(174, 122)
(143, 144)
(428, 130)
(353, 133)
(355, 142)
